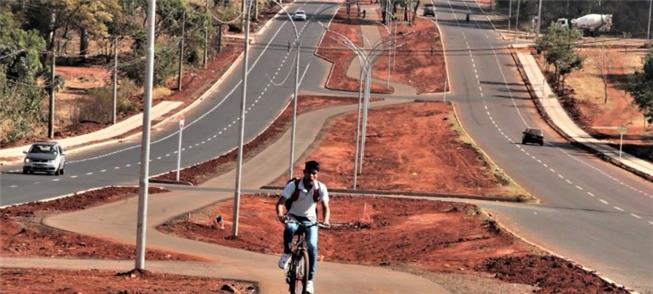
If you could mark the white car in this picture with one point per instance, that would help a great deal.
(299, 15)
(45, 157)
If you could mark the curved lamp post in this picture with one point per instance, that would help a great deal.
(246, 14)
(366, 61)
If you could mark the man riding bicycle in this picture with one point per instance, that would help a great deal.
(303, 195)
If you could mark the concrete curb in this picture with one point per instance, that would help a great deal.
(88, 145)
(413, 194)
(562, 133)
(153, 178)
(487, 156)
(587, 269)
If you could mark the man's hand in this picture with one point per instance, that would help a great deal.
(282, 218)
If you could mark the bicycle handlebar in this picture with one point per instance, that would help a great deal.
(301, 224)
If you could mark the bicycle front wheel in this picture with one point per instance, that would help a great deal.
(299, 274)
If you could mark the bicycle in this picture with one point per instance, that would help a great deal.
(297, 274)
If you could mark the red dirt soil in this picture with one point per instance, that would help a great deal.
(23, 233)
(17, 280)
(398, 232)
(420, 63)
(410, 148)
(206, 170)
(333, 50)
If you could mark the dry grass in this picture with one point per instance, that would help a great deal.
(588, 85)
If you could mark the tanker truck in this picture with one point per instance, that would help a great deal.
(590, 23)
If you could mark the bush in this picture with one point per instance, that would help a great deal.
(20, 111)
(98, 107)
(164, 67)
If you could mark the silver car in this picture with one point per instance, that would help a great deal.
(299, 15)
(45, 157)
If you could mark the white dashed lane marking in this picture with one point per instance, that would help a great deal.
(579, 187)
(636, 216)
(618, 208)
(13, 186)
(89, 173)
(103, 171)
(72, 177)
(591, 194)
(604, 202)
(55, 180)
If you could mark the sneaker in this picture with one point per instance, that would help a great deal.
(310, 287)
(284, 261)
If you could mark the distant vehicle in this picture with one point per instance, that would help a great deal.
(590, 23)
(299, 15)
(45, 157)
(429, 9)
(533, 135)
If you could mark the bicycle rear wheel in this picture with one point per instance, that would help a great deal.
(299, 274)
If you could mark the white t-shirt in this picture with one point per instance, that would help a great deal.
(305, 205)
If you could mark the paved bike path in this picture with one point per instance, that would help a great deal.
(117, 221)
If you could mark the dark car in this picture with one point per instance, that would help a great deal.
(429, 9)
(533, 135)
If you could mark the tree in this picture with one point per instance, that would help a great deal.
(641, 87)
(603, 64)
(89, 17)
(559, 47)
(20, 96)
(21, 50)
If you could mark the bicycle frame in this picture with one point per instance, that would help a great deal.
(297, 275)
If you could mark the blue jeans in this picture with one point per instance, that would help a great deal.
(311, 242)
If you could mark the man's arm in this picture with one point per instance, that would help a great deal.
(326, 212)
(281, 207)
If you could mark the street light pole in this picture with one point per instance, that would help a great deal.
(145, 142)
(241, 122)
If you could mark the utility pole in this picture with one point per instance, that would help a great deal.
(509, 15)
(517, 19)
(115, 80)
(648, 31)
(180, 71)
(539, 20)
(52, 93)
(206, 38)
(241, 134)
(143, 185)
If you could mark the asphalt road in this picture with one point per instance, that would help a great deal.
(590, 211)
(211, 128)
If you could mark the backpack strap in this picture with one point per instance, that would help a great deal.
(295, 194)
(316, 192)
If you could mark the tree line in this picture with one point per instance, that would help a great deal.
(629, 17)
(33, 31)
(558, 45)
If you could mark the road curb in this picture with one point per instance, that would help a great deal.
(487, 156)
(543, 113)
(413, 194)
(542, 248)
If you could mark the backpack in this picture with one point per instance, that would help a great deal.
(295, 194)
